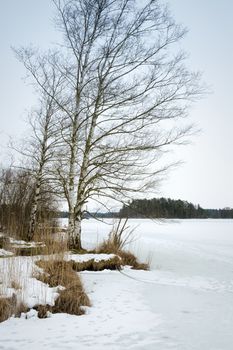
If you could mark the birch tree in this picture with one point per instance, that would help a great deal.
(124, 88)
(44, 138)
(38, 152)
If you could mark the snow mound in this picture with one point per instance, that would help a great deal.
(4, 252)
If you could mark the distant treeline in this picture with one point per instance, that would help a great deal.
(170, 208)
(160, 208)
(86, 215)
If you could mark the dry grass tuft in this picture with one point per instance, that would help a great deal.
(15, 285)
(43, 310)
(60, 273)
(130, 259)
(53, 245)
(57, 273)
(91, 265)
(10, 307)
(81, 251)
(7, 307)
(21, 308)
(29, 251)
(116, 240)
(4, 242)
(71, 300)
(47, 245)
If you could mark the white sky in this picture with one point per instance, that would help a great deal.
(207, 174)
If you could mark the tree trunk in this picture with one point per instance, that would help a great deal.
(71, 223)
(34, 210)
(74, 232)
(74, 229)
(32, 224)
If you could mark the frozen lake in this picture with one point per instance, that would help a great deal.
(200, 247)
(185, 302)
(191, 282)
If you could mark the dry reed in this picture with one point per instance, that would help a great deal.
(115, 243)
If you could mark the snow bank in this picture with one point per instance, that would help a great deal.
(87, 257)
(19, 271)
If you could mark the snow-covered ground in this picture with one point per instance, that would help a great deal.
(185, 302)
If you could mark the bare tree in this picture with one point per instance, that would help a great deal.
(38, 150)
(122, 80)
(44, 137)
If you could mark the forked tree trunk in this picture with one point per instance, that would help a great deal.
(75, 215)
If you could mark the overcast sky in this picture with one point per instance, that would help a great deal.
(206, 176)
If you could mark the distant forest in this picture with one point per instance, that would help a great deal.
(170, 208)
(161, 208)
